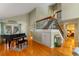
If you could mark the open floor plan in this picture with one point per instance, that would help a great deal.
(39, 29)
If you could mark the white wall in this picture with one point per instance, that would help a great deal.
(32, 18)
(70, 11)
(42, 11)
(38, 13)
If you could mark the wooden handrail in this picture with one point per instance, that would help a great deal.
(49, 17)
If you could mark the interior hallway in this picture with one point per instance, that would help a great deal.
(36, 49)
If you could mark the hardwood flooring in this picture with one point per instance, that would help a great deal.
(36, 49)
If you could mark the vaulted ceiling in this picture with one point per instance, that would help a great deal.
(14, 9)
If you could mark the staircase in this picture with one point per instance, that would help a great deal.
(48, 24)
(53, 23)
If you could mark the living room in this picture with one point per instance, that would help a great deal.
(23, 19)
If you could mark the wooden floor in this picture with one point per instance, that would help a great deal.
(36, 49)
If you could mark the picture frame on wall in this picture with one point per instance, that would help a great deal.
(8, 30)
(16, 30)
(12, 29)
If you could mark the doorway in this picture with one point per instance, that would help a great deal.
(70, 28)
